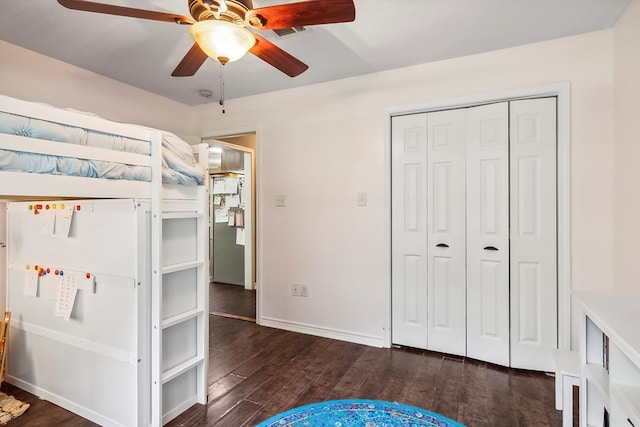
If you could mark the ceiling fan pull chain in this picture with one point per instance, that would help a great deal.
(222, 87)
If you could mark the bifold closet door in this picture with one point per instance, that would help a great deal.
(488, 233)
(534, 316)
(446, 288)
(409, 230)
(474, 232)
(428, 261)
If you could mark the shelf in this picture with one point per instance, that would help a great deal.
(597, 376)
(611, 313)
(182, 266)
(182, 317)
(567, 362)
(181, 369)
(181, 215)
(628, 397)
(616, 389)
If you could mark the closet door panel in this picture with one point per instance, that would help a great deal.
(446, 232)
(409, 231)
(488, 233)
(533, 233)
(490, 305)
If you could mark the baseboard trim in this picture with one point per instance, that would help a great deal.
(336, 334)
(67, 404)
(233, 316)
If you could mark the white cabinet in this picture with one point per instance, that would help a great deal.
(610, 356)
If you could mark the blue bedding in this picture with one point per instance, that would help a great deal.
(178, 164)
(19, 161)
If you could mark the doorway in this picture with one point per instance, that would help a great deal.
(232, 291)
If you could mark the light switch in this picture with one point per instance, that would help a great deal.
(280, 201)
(362, 199)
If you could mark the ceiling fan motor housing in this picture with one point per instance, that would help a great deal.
(229, 10)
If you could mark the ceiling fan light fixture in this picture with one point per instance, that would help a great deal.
(222, 40)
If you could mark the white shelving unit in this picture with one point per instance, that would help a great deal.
(610, 357)
(179, 317)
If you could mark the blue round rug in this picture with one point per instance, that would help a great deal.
(358, 413)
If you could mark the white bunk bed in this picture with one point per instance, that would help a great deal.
(133, 350)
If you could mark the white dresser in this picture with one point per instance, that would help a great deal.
(610, 357)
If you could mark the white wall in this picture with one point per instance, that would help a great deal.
(320, 145)
(31, 76)
(626, 167)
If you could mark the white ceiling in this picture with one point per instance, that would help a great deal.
(386, 34)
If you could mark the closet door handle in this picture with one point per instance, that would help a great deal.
(490, 248)
(442, 245)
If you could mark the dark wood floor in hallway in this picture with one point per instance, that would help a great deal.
(232, 301)
(257, 372)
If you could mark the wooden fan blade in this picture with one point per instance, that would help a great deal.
(109, 9)
(277, 57)
(302, 13)
(191, 62)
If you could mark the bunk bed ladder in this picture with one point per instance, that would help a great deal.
(180, 305)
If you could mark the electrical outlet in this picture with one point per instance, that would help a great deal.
(295, 290)
(304, 291)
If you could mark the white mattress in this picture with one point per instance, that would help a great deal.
(178, 164)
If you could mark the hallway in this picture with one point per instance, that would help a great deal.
(232, 301)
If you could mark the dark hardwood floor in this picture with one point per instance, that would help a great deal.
(232, 301)
(42, 413)
(256, 372)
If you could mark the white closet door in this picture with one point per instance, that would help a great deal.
(409, 230)
(488, 233)
(446, 232)
(533, 233)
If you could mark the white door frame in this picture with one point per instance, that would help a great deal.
(3, 256)
(562, 92)
(256, 130)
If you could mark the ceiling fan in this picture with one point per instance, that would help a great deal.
(220, 28)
